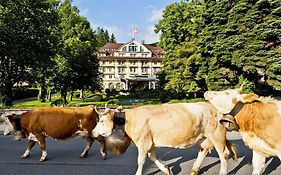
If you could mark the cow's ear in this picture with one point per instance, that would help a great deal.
(248, 98)
(11, 117)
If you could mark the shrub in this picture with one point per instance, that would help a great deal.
(20, 93)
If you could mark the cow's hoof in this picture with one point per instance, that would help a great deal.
(83, 155)
(194, 171)
(104, 157)
(24, 156)
(169, 170)
(43, 159)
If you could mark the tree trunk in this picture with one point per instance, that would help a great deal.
(42, 92)
(71, 95)
(81, 94)
(49, 95)
(63, 96)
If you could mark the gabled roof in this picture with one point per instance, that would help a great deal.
(110, 48)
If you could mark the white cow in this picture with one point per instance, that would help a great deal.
(172, 125)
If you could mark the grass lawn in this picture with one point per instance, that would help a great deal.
(124, 101)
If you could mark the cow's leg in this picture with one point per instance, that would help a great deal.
(153, 157)
(142, 153)
(102, 146)
(205, 147)
(42, 144)
(143, 145)
(218, 139)
(31, 143)
(89, 141)
(258, 163)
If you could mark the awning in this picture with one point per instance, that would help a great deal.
(138, 78)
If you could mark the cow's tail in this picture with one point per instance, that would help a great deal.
(232, 149)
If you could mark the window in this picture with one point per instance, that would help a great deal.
(120, 62)
(144, 69)
(133, 69)
(121, 69)
(144, 62)
(141, 49)
(133, 62)
(133, 55)
(132, 47)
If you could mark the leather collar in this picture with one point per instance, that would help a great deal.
(237, 108)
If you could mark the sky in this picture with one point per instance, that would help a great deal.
(120, 17)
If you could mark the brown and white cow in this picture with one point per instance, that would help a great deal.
(259, 123)
(171, 125)
(58, 123)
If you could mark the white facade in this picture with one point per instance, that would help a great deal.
(123, 65)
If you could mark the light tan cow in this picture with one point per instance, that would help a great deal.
(172, 125)
(259, 122)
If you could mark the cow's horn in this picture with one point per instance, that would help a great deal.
(241, 87)
(96, 110)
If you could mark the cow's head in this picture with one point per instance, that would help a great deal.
(8, 127)
(12, 127)
(225, 101)
(105, 124)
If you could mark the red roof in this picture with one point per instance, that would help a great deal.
(111, 47)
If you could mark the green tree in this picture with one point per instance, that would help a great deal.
(112, 38)
(183, 67)
(77, 64)
(102, 36)
(242, 41)
(26, 41)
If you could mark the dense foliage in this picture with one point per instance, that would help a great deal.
(27, 41)
(46, 43)
(213, 45)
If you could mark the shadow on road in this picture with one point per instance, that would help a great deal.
(244, 159)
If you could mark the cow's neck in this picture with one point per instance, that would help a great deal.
(17, 123)
(237, 108)
(119, 120)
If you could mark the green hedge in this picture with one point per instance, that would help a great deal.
(20, 93)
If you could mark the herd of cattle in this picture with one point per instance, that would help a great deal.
(178, 125)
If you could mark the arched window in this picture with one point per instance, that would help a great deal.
(132, 47)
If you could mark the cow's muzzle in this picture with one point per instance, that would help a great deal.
(229, 122)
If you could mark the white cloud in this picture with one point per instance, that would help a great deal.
(156, 15)
(150, 36)
(84, 12)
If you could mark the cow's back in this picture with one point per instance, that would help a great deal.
(174, 125)
(59, 123)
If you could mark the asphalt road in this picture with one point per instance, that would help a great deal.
(63, 158)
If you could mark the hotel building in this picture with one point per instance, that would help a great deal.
(130, 66)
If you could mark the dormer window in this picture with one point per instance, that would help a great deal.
(132, 47)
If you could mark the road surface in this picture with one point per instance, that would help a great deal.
(63, 158)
